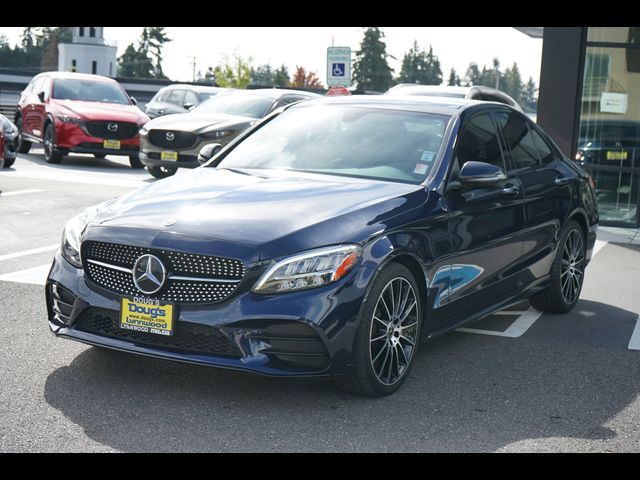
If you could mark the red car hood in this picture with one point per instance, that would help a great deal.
(101, 111)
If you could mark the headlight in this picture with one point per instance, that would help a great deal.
(217, 134)
(67, 119)
(72, 235)
(309, 270)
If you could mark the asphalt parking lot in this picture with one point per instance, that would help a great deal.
(517, 381)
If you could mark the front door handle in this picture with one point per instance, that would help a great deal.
(511, 190)
(561, 181)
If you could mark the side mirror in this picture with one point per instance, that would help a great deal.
(188, 106)
(41, 96)
(208, 151)
(481, 173)
(133, 100)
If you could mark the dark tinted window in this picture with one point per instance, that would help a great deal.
(89, 91)
(546, 154)
(479, 142)
(522, 147)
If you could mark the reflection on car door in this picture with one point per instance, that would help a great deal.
(486, 224)
(30, 116)
(546, 181)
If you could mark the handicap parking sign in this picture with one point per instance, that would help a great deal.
(339, 66)
(338, 69)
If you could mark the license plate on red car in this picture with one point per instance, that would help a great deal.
(112, 144)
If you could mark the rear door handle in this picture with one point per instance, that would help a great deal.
(561, 181)
(511, 190)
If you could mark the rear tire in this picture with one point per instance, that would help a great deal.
(135, 162)
(162, 172)
(23, 146)
(387, 337)
(567, 273)
(8, 163)
(51, 155)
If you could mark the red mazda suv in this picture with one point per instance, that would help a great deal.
(79, 113)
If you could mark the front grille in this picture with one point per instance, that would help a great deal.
(180, 139)
(187, 337)
(100, 129)
(212, 279)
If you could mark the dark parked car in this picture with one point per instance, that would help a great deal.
(476, 92)
(174, 140)
(10, 137)
(180, 99)
(79, 113)
(331, 239)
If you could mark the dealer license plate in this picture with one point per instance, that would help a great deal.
(113, 144)
(169, 155)
(147, 315)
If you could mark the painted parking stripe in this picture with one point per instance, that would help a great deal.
(634, 343)
(597, 247)
(33, 251)
(36, 275)
(515, 330)
(20, 192)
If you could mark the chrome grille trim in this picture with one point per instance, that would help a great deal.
(198, 279)
(108, 265)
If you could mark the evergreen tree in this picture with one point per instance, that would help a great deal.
(473, 75)
(156, 38)
(530, 97)
(281, 76)
(138, 62)
(512, 83)
(371, 71)
(263, 75)
(454, 79)
(421, 67)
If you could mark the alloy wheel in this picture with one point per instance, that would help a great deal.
(48, 142)
(394, 331)
(573, 261)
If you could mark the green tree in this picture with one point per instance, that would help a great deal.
(138, 62)
(281, 76)
(512, 84)
(473, 75)
(263, 75)
(454, 79)
(233, 73)
(371, 71)
(418, 66)
(304, 79)
(530, 94)
(156, 38)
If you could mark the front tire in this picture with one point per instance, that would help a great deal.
(23, 146)
(567, 273)
(51, 155)
(388, 335)
(162, 172)
(7, 163)
(135, 162)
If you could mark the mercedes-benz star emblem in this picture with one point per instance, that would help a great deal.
(112, 127)
(149, 274)
(170, 136)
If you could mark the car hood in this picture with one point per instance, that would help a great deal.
(275, 212)
(196, 123)
(101, 111)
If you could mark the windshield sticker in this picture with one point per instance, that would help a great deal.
(421, 168)
(427, 156)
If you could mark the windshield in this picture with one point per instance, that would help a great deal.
(362, 142)
(245, 104)
(89, 91)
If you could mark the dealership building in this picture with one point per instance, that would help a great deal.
(589, 102)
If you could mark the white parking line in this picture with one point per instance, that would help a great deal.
(515, 330)
(36, 275)
(20, 192)
(634, 343)
(597, 247)
(29, 252)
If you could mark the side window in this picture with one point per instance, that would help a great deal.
(176, 97)
(547, 155)
(190, 98)
(479, 142)
(519, 138)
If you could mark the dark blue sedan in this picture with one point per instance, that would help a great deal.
(331, 239)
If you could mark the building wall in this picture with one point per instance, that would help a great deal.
(84, 55)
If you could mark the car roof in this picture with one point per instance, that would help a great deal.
(195, 88)
(276, 93)
(429, 89)
(85, 76)
(437, 105)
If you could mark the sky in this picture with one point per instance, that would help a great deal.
(306, 46)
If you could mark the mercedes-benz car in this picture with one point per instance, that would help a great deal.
(475, 92)
(174, 141)
(78, 113)
(333, 238)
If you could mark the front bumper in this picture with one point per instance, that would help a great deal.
(187, 157)
(307, 333)
(71, 138)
